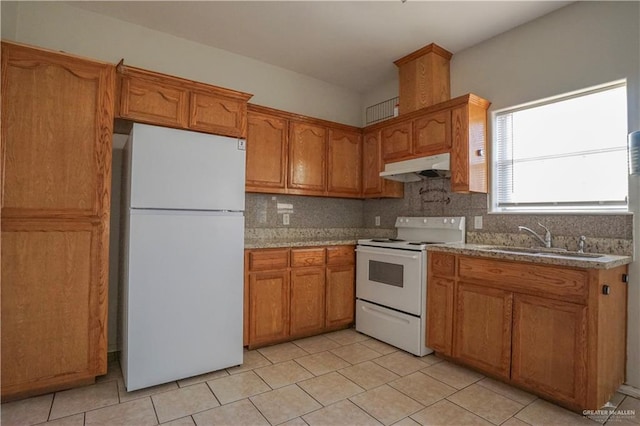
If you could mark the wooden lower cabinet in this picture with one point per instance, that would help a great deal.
(307, 301)
(549, 347)
(269, 299)
(340, 296)
(548, 329)
(483, 328)
(293, 293)
(440, 321)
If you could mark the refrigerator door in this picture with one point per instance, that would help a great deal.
(183, 295)
(178, 169)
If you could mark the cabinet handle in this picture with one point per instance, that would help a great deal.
(480, 152)
(625, 278)
(606, 290)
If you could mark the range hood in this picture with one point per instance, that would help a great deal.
(417, 169)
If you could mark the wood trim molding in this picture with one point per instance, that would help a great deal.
(429, 48)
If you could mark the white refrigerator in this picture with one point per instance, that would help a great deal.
(183, 238)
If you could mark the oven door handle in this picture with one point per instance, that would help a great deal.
(391, 253)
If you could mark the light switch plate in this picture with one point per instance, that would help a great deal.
(285, 219)
(377, 220)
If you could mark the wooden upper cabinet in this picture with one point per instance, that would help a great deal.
(57, 119)
(152, 101)
(164, 100)
(397, 142)
(344, 171)
(469, 153)
(432, 133)
(373, 186)
(457, 126)
(215, 114)
(266, 153)
(307, 158)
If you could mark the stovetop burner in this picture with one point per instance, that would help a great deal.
(387, 240)
(419, 243)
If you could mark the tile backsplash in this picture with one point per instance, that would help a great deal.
(430, 197)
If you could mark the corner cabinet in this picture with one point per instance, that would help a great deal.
(551, 330)
(297, 292)
(457, 126)
(57, 118)
(164, 100)
(294, 154)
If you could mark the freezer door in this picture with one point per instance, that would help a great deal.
(178, 169)
(183, 296)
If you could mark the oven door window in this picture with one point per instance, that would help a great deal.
(386, 273)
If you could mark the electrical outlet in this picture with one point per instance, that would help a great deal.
(377, 220)
(285, 219)
(477, 222)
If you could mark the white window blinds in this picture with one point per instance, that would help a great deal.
(565, 154)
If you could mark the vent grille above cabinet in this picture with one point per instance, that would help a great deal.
(381, 111)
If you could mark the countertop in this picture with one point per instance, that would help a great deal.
(607, 261)
(251, 243)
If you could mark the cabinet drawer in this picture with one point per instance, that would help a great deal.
(341, 255)
(268, 260)
(442, 264)
(569, 284)
(307, 257)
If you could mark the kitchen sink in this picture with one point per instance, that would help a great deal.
(543, 251)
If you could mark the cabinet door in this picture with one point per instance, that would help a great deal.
(483, 328)
(216, 114)
(373, 186)
(550, 348)
(468, 154)
(344, 171)
(397, 142)
(371, 165)
(52, 316)
(307, 300)
(307, 158)
(432, 133)
(153, 102)
(440, 314)
(269, 307)
(340, 295)
(266, 153)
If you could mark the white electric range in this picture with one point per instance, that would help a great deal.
(391, 280)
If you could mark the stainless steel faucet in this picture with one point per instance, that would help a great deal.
(546, 241)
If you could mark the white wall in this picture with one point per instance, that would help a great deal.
(61, 26)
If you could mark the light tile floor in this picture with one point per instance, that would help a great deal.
(340, 378)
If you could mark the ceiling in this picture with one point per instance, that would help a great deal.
(349, 44)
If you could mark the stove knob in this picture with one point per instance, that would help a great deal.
(445, 220)
(453, 221)
(424, 220)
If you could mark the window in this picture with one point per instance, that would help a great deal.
(566, 154)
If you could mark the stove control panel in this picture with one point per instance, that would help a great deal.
(431, 222)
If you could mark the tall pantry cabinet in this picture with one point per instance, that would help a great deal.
(57, 119)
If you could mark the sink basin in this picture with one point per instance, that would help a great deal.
(543, 251)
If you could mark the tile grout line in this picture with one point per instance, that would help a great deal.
(53, 398)
(154, 410)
